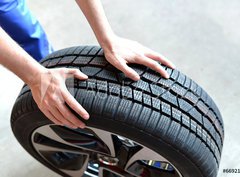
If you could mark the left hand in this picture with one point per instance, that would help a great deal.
(119, 52)
(51, 95)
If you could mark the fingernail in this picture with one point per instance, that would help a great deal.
(82, 126)
(166, 75)
(136, 78)
(86, 116)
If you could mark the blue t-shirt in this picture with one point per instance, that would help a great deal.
(7, 5)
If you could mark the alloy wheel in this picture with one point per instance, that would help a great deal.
(93, 152)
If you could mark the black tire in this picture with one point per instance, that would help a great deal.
(173, 117)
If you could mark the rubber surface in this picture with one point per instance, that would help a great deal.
(174, 117)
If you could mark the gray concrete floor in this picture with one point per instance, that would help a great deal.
(201, 37)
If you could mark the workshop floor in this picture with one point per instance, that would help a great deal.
(201, 37)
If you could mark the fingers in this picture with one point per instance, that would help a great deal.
(153, 65)
(61, 118)
(76, 73)
(129, 72)
(51, 117)
(68, 115)
(71, 101)
(158, 57)
(58, 112)
(52, 101)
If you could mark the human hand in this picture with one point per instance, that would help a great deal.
(47, 85)
(50, 93)
(119, 52)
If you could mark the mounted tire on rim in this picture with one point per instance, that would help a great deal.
(150, 128)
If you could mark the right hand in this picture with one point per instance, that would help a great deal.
(120, 52)
(50, 93)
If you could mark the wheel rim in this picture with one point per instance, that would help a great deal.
(95, 152)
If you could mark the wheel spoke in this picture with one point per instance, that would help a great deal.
(136, 165)
(48, 132)
(67, 159)
(145, 154)
(106, 137)
(43, 147)
(78, 139)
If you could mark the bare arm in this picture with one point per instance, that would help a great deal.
(119, 51)
(97, 19)
(13, 57)
(47, 85)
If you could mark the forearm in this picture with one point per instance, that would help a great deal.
(93, 11)
(13, 57)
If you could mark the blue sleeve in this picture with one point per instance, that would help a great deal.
(17, 20)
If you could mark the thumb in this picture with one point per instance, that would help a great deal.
(75, 73)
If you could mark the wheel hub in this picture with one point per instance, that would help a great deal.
(108, 160)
